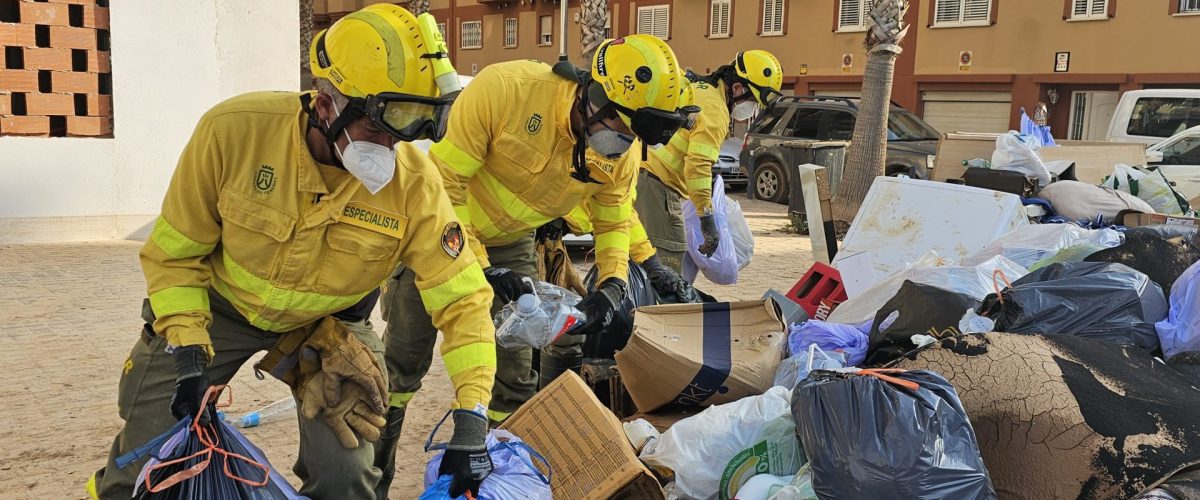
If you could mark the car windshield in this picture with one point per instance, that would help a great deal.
(904, 126)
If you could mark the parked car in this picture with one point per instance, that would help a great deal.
(911, 141)
(1149, 116)
(729, 165)
(1178, 157)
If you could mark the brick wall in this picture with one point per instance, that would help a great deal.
(55, 75)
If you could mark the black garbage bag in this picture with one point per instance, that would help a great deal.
(920, 310)
(1162, 252)
(638, 292)
(1059, 416)
(1101, 301)
(870, 438)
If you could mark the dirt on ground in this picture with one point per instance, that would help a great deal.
(69, 313)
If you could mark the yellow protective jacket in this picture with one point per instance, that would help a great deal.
(579, 219)
(287, 241)
(685, 163)
(506, 160)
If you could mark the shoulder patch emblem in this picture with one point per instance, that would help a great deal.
(452, 240)
(264, 181)
(534, 124)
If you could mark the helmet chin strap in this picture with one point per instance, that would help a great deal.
(579, 168)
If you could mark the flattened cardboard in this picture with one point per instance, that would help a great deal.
(664, 418)
(1139, 219)
(701, 354)
(1093, 159)
(589, 455)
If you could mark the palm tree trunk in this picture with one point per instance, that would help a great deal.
(868, 146)
(418, 7)
(306, 34)
(593, 15)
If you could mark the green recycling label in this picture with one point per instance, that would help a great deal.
(762, 458)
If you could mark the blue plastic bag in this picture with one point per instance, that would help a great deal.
(722, 267)
(514, 475)
(1180, 331)
(830, 337)
(1040, 132)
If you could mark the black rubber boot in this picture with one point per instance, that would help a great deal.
(552, 365)
(385, 451)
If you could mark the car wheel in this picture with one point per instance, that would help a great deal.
(769, 182)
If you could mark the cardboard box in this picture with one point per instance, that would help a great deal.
(664, 418)
(589, 455)
(702, 354)
(1138, 219)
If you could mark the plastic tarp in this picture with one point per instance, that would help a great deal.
(717, 450)
(723, 266)
(515, 474)
(1180, 331)
(976, 281)
(830, 337)
(870, 438)
(1018, 152)
(916, 309)
(1101, 301)
(1030, 245)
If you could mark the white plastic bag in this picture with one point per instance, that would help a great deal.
(1028, 245)
(714, 452)
(1146, 184)
(1019, 153)
(743, 239)
(976, 281)
(722, 267)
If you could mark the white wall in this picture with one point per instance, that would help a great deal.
(171, 61)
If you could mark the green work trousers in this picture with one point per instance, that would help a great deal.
(410, 336)
(658, 209)
(325, 468)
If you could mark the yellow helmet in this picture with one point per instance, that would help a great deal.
(639, 77)
(762, 71)
(394, 68)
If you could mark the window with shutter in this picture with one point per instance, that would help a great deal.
(546, 30)
(962, 13)
(1089, 9)
(1189, 6)
(510, 32)
(718, 26)
(655, 20)
(472, 34)
(852, 14)
(772, 21)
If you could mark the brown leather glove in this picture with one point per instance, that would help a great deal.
(344, 362)
(350, 418)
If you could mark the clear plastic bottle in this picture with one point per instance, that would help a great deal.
(275, 411)
(537, 319)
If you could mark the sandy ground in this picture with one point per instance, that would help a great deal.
(69, 314)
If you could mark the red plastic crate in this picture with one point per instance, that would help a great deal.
(820, 282)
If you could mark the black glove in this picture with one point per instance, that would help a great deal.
(600, 307)
(665, 280)
(551, 231)
(506, 284)
(712, 237)
(191, 383)
(466, 457)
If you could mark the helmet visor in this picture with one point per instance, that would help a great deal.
(409, 117)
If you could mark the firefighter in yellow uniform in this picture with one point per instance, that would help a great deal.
(286, 208)
(683, 167)
(512, 160)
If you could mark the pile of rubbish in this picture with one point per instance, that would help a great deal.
(1036, 341)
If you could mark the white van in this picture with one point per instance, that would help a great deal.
(1149, 116)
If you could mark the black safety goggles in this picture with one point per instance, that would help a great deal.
(408, 117)
(655, 126)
